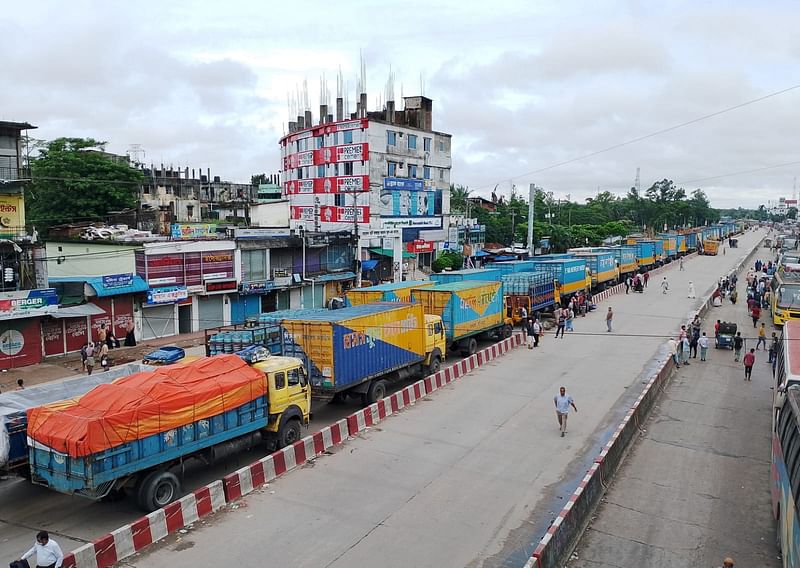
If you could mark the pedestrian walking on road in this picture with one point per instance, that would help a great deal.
(749, 360)
(537, 331)
(680, 264)
(738, 343)
(48, 553)
(703, 343)
(20, 384)
(130, 334)
(563, 401)
(672, 346)
(664, 285)
(693, 344)
(609, 319)
(89, 358)
(773, 347)
(727, 563)
(692, 294)
(646, 278)
(528, 326)
(755, 313)
(102, 350)
(762, 337)
(102, 333)
(570, 319)
(627, 284)
(685, 347)
(561, 323)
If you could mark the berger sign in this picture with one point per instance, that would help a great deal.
(28, 303)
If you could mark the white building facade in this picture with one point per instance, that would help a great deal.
(380, 170)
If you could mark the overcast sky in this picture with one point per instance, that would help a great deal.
(521, 85)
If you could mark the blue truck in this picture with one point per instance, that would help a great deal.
(534, 291)
(512, 266)
(571, 274)
(602, 265)
(467, 275)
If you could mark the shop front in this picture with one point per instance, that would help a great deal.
(20, 325)
(160, 311)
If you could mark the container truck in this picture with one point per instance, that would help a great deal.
(670, 247)
(358, 350)
(534, 291)
(659, 244)
(133, 435)
(680, 244)
(468, 310)
(710, 247)
(470, 274)
(602, 267)
(390, 292)
(571, 273)
(645, 253)
(512, 266)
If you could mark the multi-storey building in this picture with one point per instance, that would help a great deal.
(372, 170)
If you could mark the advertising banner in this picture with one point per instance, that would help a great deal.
(257, 287)
(12, 215)
(77, 332)
(412, 222)
(53, 336)
(168, 295)
(403, 203)
(334, 214)
(345, 153)
(333, 184)
(419, 245)
(194, 231)
(403, 183)
(28, 303)
(20, 343)
(302, 212)
(118, 280)
(221, 286)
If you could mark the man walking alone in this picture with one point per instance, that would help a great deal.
(562, 402)
(749, 360)
(664, 285)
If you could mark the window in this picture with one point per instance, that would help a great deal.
(391, 138)
(335, 138)
(426, 172)
(441, 174)
(190, 211)
(254, 264)
(293, 377)
(280, 380)
(347, 137)
(412, 142)
(320, 171)
(426, 144)
(441, 145)
(412, 171)
(348, 168)
(392, 170)
(318, 140)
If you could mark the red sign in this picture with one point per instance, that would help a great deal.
(214, 287)
(334, 184)
(53, 336)
(302, 212)
(123, 313)
(320, 129)
(419, 245)
(345, 153)
(188, 269)
(20, 344)
(333, 214)
(76, 333)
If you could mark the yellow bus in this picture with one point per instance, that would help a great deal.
(785, 297)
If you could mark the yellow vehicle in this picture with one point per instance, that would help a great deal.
(785, 297)
(710, 247)
(289, 398)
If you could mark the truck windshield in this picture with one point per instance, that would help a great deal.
(788, 296)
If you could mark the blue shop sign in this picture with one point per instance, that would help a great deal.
(252, 288)
(117, 280)
(403, 183)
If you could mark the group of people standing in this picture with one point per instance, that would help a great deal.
(106, 340)
(690, 339)
(564, 316)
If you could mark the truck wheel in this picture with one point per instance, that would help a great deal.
(376, 391)
(508, 331)
(471, 347)
(157, 490)
(289, 434)
(436, 364)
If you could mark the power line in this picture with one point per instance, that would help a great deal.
(742, 172)
(646, 136)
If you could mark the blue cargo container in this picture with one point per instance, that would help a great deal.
(569, 272)
(680, 244)
(645, 253)
(92, 475)
(512, 266)
(603, 266)
(538, 286)
(659, 249)
(345, 347)
(470, 274)
(691, 241)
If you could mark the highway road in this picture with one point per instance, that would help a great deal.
(473, 474)
(26, 508)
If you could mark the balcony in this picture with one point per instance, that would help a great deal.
(14, 174)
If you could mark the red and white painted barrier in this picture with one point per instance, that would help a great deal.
(244, 480)
(130, 539)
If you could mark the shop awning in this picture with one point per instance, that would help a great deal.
(390, 253)
(335, 276)
(78, 311)
(136, 285)
(368, 265)
(481, 254)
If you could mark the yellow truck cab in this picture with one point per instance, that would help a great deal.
(710, 246)
(435, 344)
(289, 398)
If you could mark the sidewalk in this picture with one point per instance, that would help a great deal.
(56, 368)
(696, 486)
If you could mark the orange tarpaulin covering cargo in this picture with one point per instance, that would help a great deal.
(143, 404)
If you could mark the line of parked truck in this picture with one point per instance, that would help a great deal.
(257, 382)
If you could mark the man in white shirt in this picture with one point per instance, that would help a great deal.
(563, 401)
(48, 553)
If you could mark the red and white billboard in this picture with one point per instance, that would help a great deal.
(419, 245)
(302, 212)
(321, 129)
(334, 214)
(334, 184)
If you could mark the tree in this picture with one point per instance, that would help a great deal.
(459, 194)
(74, 180)
(791, 213)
